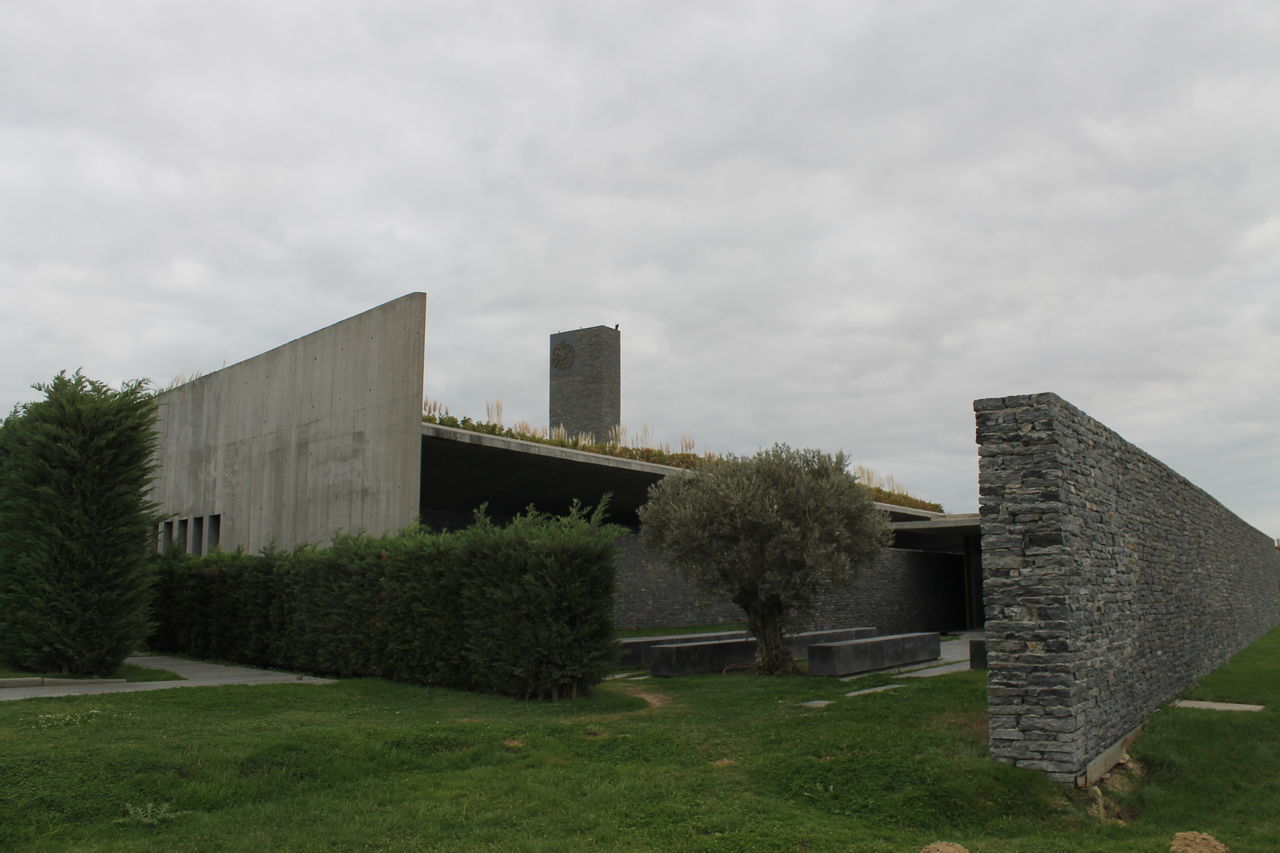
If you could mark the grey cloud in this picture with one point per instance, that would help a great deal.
(834, 224)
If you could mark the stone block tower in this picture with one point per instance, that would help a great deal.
(586, 381)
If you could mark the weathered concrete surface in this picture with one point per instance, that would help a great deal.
(193, 672)
(695, 658)
(316, 436)
(801, 642)
(1217, 706)
(637, 651)
(700, 658)
(865, 655)
(978, 653)
(40, 681)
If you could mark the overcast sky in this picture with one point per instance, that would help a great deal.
(833, 224)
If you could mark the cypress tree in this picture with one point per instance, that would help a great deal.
(76, 526)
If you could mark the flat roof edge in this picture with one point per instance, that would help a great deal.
(569, 454)
(946, 522)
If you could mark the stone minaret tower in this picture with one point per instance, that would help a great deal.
(586, 381)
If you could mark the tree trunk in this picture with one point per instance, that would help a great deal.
(773, 653)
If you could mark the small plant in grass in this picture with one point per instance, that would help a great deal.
(71, 718)
(151, 814)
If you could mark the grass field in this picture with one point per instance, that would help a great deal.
(726, 763)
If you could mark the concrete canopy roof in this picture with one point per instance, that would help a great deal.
(462, 470)
(940, 533)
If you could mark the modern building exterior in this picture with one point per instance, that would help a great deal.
(325, 434)
(1110, 582)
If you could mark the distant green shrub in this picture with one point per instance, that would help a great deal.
(522, 610)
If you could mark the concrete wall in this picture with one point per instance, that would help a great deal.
(318, 435)
(585, 393)
(1111, 584)
(901, 591)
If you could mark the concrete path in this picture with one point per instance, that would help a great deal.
(196, 673)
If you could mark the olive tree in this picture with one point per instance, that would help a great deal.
(767, 531)
(76, 526)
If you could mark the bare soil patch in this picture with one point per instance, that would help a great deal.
(1196, 842)
(654, 700)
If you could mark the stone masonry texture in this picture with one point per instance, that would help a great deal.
(586, 381)
(900, 592)
(1111, 583)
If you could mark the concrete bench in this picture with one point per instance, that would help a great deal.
(854, 656)
(801, 642)
(635, 650)
(978, 653)
(709, 656)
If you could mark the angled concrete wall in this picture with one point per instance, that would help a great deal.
(318, 435)
(1111, 584)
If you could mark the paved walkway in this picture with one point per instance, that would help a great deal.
(197, 674)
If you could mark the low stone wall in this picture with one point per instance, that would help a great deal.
(651, 594)
(1111, 584)
(900, 592)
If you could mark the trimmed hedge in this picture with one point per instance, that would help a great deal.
(522, 610)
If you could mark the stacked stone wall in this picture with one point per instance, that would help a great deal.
(1111, 583)
(900, 592)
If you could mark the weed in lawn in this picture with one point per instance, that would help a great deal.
(151, 814)
(72, 718)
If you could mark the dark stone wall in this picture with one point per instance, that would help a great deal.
(900, 592)
(1111, 583)
(651, 594)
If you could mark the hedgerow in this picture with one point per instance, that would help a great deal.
(524, 609)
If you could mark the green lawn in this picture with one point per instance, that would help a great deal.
(726, 763)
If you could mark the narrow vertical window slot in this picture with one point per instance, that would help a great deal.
(183, 544)
(197, 535)
(215, 531)
(166, 536)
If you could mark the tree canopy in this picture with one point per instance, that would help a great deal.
(767, 531)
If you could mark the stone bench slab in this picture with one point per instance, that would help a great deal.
(636, 650)
(712, 656)
(866, 655)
